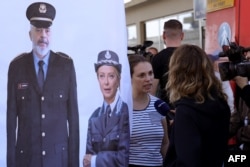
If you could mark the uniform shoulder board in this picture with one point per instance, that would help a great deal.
(63, 55)
(19, 56)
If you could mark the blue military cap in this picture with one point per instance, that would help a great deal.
(109, 58)
(41, 14)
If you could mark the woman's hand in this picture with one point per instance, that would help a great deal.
(87, 160)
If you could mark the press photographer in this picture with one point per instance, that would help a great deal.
(243, 83)
(238, 70)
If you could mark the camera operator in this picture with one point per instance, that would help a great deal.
(239, 123)
(243, 84)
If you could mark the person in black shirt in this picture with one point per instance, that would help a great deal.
(172, 36)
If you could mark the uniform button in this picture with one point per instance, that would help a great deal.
(63, 148)
(22, 97)
(104, 139)
(117, 136)
(60, 96)
(43, 134)
(21, 151)
(43, 153)
(43, 116)
(42, 98)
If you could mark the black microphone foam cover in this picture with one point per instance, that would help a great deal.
(163, 108)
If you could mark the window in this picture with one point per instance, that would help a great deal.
(132, 36)
(154, 29)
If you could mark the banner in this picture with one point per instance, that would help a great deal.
(84, 30)
(108, 145)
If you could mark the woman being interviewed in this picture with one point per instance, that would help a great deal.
(200, 130)
(149, 129)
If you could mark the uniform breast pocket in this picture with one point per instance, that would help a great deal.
(21, 95)
(114, 141)
(98, 142)
(96, 138)
(59, 100)
(23, 98)
(60, 95)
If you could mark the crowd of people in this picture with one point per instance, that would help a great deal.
(181, 75)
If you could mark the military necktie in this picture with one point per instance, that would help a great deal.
(108, 111)
(40, 75)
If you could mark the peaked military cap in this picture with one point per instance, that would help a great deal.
(41, 14)
(109, 58)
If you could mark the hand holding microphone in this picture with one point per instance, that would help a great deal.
(163, 108)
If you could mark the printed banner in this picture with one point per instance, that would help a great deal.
(108, 136)
(93, 33)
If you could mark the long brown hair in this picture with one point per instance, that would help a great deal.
(191, 74)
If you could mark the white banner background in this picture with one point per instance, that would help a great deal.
(82, 28)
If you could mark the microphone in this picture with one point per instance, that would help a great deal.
(163, 108)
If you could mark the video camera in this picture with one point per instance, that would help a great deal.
(238, 65)
(141, 49)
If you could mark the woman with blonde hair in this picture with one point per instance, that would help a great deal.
(108, 127)
(200, 131)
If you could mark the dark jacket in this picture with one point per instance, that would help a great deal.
(160, 64)
(199, 135)
(110, 144)
(245, 95)
(240, 119)
(47, 122)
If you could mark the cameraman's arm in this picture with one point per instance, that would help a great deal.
(242, 82)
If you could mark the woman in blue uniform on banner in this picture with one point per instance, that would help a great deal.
(108, 127)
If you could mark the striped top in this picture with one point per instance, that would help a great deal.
(146, 137)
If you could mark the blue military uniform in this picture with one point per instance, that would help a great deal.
(43, 137)
(42, 124)
(109, 133)
(111, 142)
